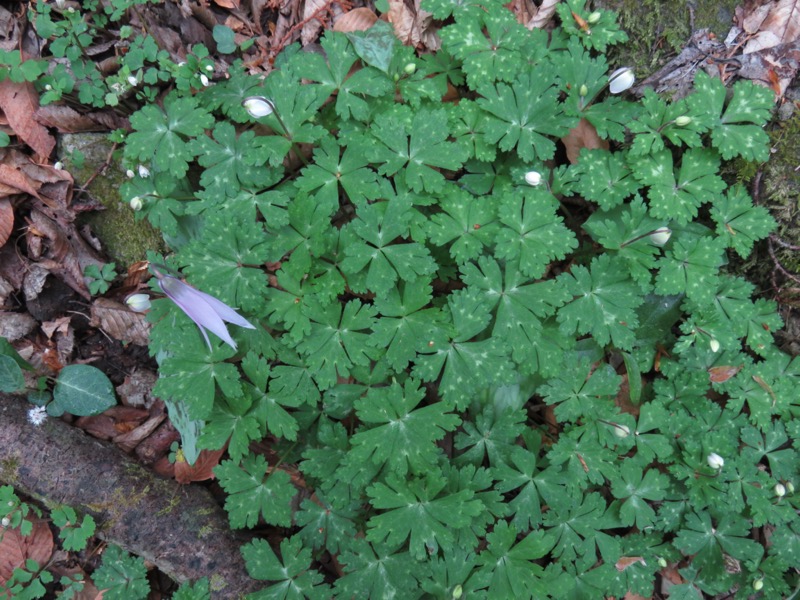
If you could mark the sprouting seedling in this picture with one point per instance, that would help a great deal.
(207, 312)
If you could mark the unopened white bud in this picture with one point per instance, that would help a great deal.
(5, 522)
(790, 487)
(136, 203)
(683, 120)
(258, 106)
(715, 461)
(714, 345)
(58, 165)
(758, 584)
(584, 90)
(410, 69)
(458, 591)
(621, 80)
(661, 236)
(204, 80)
(144, 172)
(138, 302)
(780, 490)
(621, 431)
(133, 81)
(594, 17)
(533, 178)
(48, 87)
(130, 174)
(209, 68)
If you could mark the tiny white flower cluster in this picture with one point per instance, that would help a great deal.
(37, 415)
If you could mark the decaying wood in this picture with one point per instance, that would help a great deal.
(181, 529)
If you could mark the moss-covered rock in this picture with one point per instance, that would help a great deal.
(124, 239)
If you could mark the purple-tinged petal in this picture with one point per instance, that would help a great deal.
(225, 312)
(196, 306)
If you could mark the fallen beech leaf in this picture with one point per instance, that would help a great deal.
(6, 220)
(626, 561)
(722, 374)
(120, 322)
(358, 19)
(776, 23)
(402, 19)
(19, 102)
(583, 135)
(544, 14)
(65, 119)
(16, 181)
(311, 29)
(15, 548)
(202, 468)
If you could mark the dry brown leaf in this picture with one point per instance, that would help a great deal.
(65, 119)
(403, 20)
(227, 3)
(120, 322)
(129, 440)
(583, 135)
(16, 181)
(15, 325)
(626, 561)
(6, 220)
(312, 28)
(19, 102)
(358, 19)
(774, 24)
(16, 548)
(722, 374)
(543, 15)
(202, 469)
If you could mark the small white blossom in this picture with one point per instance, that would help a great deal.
(533, 178)
(758, 584)
(209, 68)
(715, 461)
(780, 490)
(661, 236)
(5, 522)
(683, 120)
(258, 106)
(138, 302)
(58, 166)
(621, 431)
(37, 415)
(621, 80)
(204, 80)
(129, 174)
(714, 345)
(136, 203)
(133, 81)
(144, 172)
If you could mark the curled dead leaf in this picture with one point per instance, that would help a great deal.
(358, 19)
(19, 102)
(120, 322)
(16, 548)
(723, 373)
(6, 220)
(583, 135)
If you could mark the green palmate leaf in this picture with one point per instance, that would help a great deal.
(738, 130)
(338, 339)
(231, 421)
(230, 162)
(469, 222)
(532, 234)
(488, 42)
(508, 565)
(491, 435)
(603, 32)
(323, 178)
(739, 222)
(419, 144)
(379, 226)
(611, 117)
(400, 435)
(255, 493)
(121, 576)
(658, 122)
(325, 525)
(378, 571)
(577, 527)
(467, 365)
(290, 575)
(582, 393)
(216, 262)
(81, 390)
(520, 307)
(405, 324)
(604, 302)
(297, 106)
(417, 511)
(605, 178)
(771, 445)
(161, 136)
(650, 443)
(679, 198)
(335, 77)
(626, 230)
(307, 235)
(637, 487)
(468, 120)
(690, 268)
(524, 115)
(193, 591)
(287, 303)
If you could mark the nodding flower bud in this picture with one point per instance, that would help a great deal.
(258, 106)
(59, 166)
(458, 591)
(130, 174)
(758, 584)
(204, 80)
(715, 461)
(780, 490)
(594, 17)
(661, 236)
(621, 80)
(533, 178)
(138, 302)
(136, 203)
(790, 487)
(133, 81)
(621, 431)
(683, 120)
(583, 91)
(144, 172)
(410, 69)
(714, 345)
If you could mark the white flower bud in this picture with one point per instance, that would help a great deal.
(594, 17)
(683, 120)
(621, 80)
(714, 345)
(130, 174)
(661, 236)
(584, 90)
(780, 490)
(458, 591)
(758, 584)
(138, 302)
(58, 166)
(533, 178)
(136, 204)
(144, 172)
(258, 106)
(133, 81)
(662, 562)
(204, 80)
(715, 461)
(48, 87)
(5, 522)
(621, 431)
(410, 69)
(790, 487)
(209, 68)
